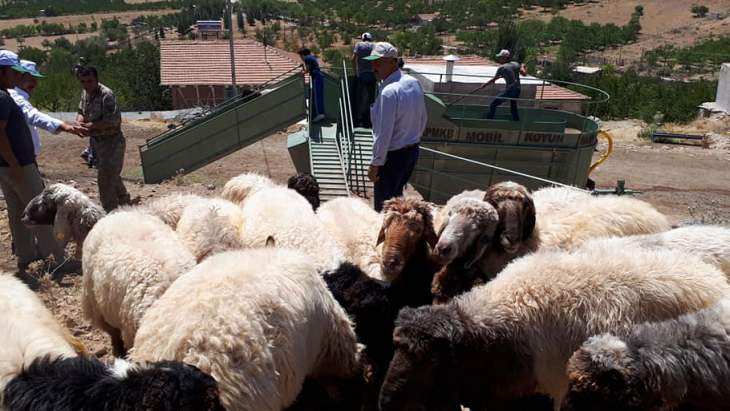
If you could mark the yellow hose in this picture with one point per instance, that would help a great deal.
(605, 155)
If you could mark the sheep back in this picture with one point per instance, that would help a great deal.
(210, 226)
(169, 208)
(552, 301)
(28, 330)
(129, 260)
(237, 189)
(258, 321)
(354, 226)
(285, 216)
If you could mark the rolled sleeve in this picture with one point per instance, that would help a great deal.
(383, 115)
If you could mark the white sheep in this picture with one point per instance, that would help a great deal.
(28, 330)
(70, 211)
(710, 243)
(354, 225)
(524, 230)
(512, 337)
(553, 200)
(169, 208)
(259, 321)
(238, 188)
(210, 226)
(130, 258)
(282, 215)
(441, 214)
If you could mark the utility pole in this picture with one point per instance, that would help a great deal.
(229, 12)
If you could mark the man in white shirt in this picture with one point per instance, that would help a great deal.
(35, 118)
(399, 118)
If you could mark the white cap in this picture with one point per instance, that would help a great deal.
(31, 68)
(503, 53)
(367, 36)
(10, 59)
(382, 49)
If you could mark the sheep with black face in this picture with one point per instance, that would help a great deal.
(512, 337)
(306, 185)
(70, 211)
(681, 363)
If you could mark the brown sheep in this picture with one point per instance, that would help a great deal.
(516, 214)
(407, 236)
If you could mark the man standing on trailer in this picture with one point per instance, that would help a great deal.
(365, 87)
(399, 118)
(510, 71)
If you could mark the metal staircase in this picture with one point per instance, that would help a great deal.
(339, 154)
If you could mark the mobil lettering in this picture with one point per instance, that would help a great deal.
(484, 137)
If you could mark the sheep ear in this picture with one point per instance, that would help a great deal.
(62, 223)
(270, 241)
(483, 244)
(383, 228)
(431, 237)
(528, 225)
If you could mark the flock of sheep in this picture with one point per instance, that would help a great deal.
(262, 299)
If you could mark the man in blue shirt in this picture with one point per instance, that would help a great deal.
(399, 118)
(20, 180)
(365, 87)
(311, 66)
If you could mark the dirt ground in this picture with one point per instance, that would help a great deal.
(60, 162)
(687, 183)
(664, 22)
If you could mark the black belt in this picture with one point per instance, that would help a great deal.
(405, 148)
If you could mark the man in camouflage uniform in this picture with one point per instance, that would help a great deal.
(98, 111)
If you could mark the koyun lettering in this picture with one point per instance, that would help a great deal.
(543, 138)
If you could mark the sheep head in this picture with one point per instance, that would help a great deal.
(516, 213)
(423, 372)
(41, 210)
(407, 228)
(306, 185)
(603, 377)
(471, 224)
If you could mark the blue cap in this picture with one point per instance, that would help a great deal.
(30, 68)
(8, 58)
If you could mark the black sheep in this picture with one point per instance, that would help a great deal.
(306, 185)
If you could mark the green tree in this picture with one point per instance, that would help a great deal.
(699, 10)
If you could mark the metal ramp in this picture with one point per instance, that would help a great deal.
(229, 127)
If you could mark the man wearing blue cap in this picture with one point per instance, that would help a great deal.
(399, 118)
(20, 180)
(35, 118)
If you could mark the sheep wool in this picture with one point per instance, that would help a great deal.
(70, 211)
(28, 331)
(170, 207)
(286, 217)
(258, 321)
(552, 301)
(129, 260)
(237, 189)
(680, 363)
(354, 225)
(710, 243)
(211, 226)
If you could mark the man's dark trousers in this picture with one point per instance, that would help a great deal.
(364, 97)
(513, 93)
(394, 174)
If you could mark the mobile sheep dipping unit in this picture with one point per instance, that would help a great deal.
(554, 140)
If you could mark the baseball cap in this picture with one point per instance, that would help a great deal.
(382, 49)
(30, 68)
(503, 53)
(8, 58)
(366, 36)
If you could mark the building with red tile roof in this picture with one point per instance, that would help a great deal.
(198, 71)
